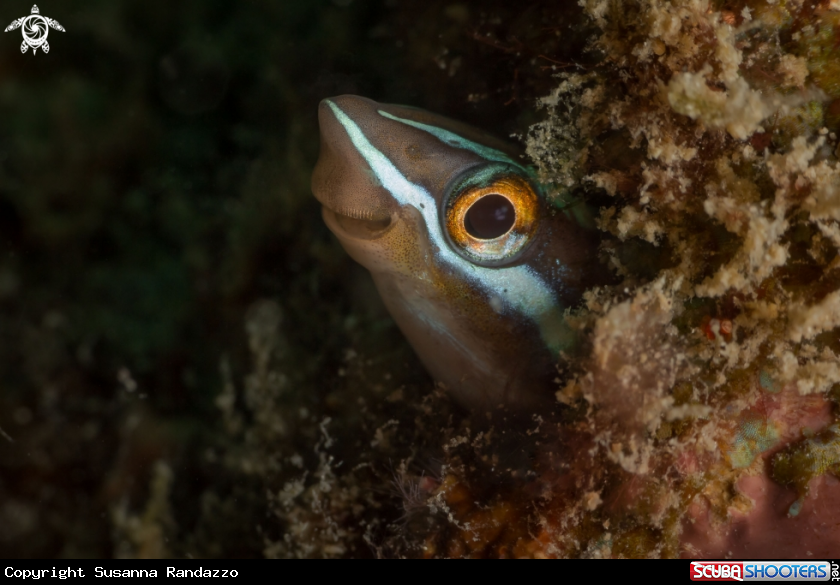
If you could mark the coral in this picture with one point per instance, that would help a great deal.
(703, 136)
(736, 178)
(702, 126)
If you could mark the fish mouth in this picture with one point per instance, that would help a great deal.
(356, 224)
(355, 203)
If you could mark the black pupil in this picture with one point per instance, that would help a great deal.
(490, 217)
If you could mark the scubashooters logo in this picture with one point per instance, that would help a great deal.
(35, 29)
(763, 571)
(710, 571)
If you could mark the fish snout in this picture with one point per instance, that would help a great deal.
(342, 180)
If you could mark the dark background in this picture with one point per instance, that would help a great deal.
(154, 189)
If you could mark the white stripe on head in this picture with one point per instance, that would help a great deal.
(518, 287)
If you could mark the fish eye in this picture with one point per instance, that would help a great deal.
(490, 217)
(490, 214)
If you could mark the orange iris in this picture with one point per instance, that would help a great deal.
(479, 222)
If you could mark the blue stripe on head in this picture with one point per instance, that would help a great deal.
(453, 139)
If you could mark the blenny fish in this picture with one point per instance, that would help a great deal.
(479, 267)
(474, 263)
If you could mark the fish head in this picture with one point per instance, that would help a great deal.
(474, 263)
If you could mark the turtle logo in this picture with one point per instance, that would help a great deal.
(35, 29)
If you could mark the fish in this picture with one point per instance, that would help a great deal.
(476, 264)
(480, 265)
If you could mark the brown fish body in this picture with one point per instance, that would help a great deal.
(471, 261)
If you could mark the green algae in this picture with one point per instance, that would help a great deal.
(797, 464)
(803, 120)
(768, 383)
(818, 44)
(754, 436)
